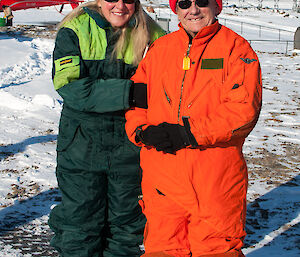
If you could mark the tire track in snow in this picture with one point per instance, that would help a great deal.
(35, 64)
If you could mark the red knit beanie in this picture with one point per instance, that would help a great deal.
(172, 4)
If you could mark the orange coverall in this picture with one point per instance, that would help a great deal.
(195, 201)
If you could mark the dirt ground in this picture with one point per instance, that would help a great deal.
(47, 31)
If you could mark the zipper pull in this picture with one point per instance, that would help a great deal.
(186, 63)
(187, 60)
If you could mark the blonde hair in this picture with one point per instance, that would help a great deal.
(140, 33)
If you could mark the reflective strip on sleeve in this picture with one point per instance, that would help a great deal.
(66, 62)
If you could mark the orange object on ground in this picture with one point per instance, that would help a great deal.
(195, 201)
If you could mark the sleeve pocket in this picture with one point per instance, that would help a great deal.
(235, 90)
(239, 94)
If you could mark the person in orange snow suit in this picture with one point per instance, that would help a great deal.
(204, 97)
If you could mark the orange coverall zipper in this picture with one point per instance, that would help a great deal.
(181, 90)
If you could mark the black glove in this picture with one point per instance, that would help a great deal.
(177, 136)
(153, 136)
(138, 95)
(165, 137)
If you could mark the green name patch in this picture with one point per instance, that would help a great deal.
(212, 64)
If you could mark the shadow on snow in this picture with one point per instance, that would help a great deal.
(13, 84)
(23, 212)
(9, 150)
(16, 35)
(27, 210)
(275, 211)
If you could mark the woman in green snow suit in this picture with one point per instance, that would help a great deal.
(97, 50)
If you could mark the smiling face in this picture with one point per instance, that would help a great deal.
(195, 18)
(116, 13)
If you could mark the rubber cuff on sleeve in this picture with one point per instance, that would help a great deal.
(138, 136)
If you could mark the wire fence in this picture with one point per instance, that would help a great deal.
(282, 43)
(259, 28)
(283, 46)
(258, 4)
(270, 4)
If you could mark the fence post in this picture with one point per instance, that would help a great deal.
(276, 6)
(296, 6)
(297, 39)
(164, 23)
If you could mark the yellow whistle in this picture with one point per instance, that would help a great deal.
(186, 63)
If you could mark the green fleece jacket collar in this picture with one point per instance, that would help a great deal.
(100, 21)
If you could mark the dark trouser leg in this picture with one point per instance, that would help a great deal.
(125, 218)
(79, 219)
(9, 22)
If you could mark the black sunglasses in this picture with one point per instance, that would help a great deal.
(124, 1)
(185, 4)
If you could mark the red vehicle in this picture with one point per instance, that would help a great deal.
(26, 4)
